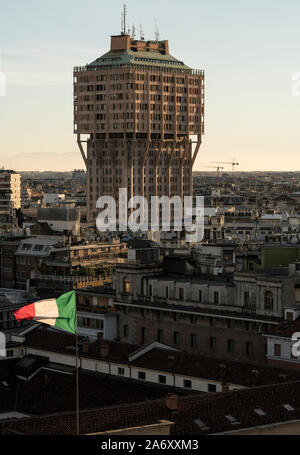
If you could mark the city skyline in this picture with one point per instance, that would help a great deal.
(250, 111)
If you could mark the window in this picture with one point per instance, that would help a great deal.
(38, 248)
(121, 371)
(211, 388)
(216, 298)
(289, 316)
(142, 375)
(125, 330)
(187, 384)
(143, 333)
(246, 298)
(127, 286)
(249, 349)
(230, 346)
(277, 350)
(26, 247)
(269, 301)
(176, 338)
(162, 379)
(193, 340)
(200, 296)
(180, 293)
(160, 335)
(213, 344)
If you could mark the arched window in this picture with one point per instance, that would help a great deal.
(269, 300)
(127, 286)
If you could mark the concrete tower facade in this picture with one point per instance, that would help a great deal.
(140, 112)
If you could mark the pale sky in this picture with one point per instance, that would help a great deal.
(248, 49)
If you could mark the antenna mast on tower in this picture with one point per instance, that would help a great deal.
(157, 37)
(133, 32)
(142, 37)
(123, 20)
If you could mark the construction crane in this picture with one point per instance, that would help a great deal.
(218, 168)
(233, 164)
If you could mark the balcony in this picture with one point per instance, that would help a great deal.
(249, 309)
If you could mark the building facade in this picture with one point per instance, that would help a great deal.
(143, 113)
(10, 194)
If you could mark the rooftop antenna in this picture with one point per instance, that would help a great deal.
(142, 37)
(123, 19)
(156, 31)
(133, 32)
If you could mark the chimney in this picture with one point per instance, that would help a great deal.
(223, 368)
(171, 362)
(85, 346)
(172, 401)
(47, 379)
(225, 387)
(254, 376)
(104, 349)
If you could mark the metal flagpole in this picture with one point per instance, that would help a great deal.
(77, 379)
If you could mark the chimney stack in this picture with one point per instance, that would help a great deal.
(171, 362)
(85, 346)
(47, 379)
(172, 401)
(223, 368)
(104, 349)
(254, 376)
(225, 387)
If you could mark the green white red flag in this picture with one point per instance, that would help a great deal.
(59, 313)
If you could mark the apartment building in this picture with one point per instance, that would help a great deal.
(10, 194)
(221, 315)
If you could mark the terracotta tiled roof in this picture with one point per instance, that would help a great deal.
(158, 359)
(95, 391)
(285, 329)
(55, 340)
(233, 372)
(196, 415)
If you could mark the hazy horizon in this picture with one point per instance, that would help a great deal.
(249, 52)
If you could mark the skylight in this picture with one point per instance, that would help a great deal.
(288, 407)
(259, 412)
(232, 419)
(201, 424)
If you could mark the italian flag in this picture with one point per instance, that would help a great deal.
(59, 313)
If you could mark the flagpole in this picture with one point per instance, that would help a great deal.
(77, 379)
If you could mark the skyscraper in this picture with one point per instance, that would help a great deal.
(141, 113)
